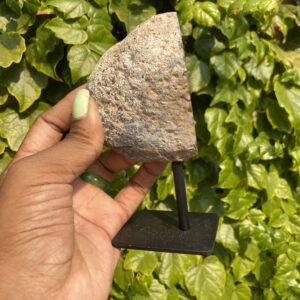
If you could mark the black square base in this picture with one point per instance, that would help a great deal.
(158, 231)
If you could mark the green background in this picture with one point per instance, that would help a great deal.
(243, 60)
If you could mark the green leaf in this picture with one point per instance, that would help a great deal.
(172, 294)
(5, 159)
(256, 176)
(70, 8)
(14, 126)
(45, 65)
(278, 187)
(231, 174)
(157, 291)
(277, 116)
(70, 31)
(99, 38)
(170, 270)
(165, 186)
(206, 280)
(25, 84)
(100, 17)
(240, 118)
(288, 98)
(206, 14)
(241, 292)
(185, 8)
(132, 12)
(236, 292)
(239, 201)
(198, 73)
(15, 5)
(241, 267)
(141, 261)
(12, 47)
(45, 40)
(260, 70)
(81, 61)
(227, 237)
(225, 64)
(234, 27)
(215, 117)
(3, 95)
(3, 145)
(123, 278)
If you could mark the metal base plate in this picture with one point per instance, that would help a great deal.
(158, 231)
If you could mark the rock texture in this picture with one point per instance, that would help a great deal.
(141, 87)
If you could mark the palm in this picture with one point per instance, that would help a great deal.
(97, 218)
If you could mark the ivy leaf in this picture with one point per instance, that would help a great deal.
(235, 27)
(100, 16)
(206, 280)
(15, 5)
(236, 292)
(156, 291)
(123, 278)
(13, 127)
(278, 187)
(288, 98)
(241, 267)
(198, 73)
(12, 47)
(231, 175)
(45, 40)
(140, 261)
(260, 70)
(44, 64)
(215, 118)
(81, 61)
(227, 238)
(185, 8)
(170, 269)
(3, 95)
(239, 201)
(3, 145)
(256, 176)
(70, 8)
(132, 12)
(225, 64)
(70, 31)
(206, 14)
(99, 38)
(25, 84)
(277, 116)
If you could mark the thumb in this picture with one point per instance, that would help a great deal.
(65, 161)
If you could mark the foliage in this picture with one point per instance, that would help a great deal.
(243, 60)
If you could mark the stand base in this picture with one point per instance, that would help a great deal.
(158, 231)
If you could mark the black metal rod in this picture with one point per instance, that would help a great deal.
(183, 217)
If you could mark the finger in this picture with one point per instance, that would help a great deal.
(110, 215)
(49, 128)
(66, 160)
(110, 163)
(131, 196)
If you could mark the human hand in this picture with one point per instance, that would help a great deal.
(55, 229)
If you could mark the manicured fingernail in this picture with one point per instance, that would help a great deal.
(81, 104)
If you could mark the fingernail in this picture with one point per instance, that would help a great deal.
(80, 104)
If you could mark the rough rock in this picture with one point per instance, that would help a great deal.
(141, 87)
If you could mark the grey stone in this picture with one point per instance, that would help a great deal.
(141, 87)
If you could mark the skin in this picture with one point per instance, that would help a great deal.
(55, 229)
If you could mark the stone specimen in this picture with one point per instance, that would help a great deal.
(141, 87)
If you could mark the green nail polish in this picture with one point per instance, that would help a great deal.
(80, 104)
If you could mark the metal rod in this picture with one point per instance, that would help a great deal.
(183, 217)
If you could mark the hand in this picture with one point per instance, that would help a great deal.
(55, 229)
